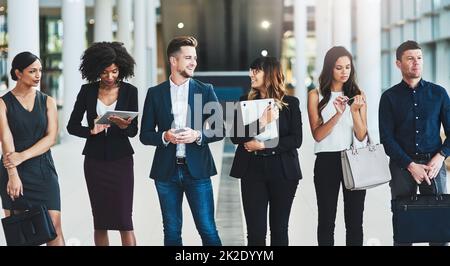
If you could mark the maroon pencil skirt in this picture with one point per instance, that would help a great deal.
(110, 185)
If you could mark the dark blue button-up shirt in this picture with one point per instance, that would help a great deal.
(410, 121)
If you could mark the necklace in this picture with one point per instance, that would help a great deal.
(24, 96)
(26, 103)
(116, 85)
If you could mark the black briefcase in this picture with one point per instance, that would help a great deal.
(32, 227)
(421, 218)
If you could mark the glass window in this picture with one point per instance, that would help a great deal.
(395, 10)
(429, 58)
(437, 4)
(386, 64)
(425, 29)
(442, 66)
(385, 40)
(396, 37)
(426, 6)
(385, 21)
(51, 35)
(444, 22)
(396, 75)
(409, 9)
(409, 31)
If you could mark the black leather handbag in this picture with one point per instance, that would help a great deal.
(32, 227)
(421, 218)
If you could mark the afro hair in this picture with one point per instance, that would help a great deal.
(101, 55)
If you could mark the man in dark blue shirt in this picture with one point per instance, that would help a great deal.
(410, 118)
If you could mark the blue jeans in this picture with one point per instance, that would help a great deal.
(403, 184)
(200, 198)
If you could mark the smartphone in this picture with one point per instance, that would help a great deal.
(351, 100)
(177, 131)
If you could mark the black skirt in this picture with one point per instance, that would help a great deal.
(110, 185)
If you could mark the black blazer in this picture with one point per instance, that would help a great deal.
(115, 143)
(289, 140)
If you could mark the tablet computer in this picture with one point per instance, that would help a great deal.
(253, 110)
(123, 114)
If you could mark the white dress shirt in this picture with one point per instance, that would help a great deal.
(179, 96)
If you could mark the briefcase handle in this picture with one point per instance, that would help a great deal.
(437, 194)
(14, 203)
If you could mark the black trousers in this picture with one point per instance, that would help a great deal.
(327, 181)
(265, 189)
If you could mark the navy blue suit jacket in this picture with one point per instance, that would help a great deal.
(157, 118)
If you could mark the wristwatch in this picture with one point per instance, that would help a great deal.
(443, 154)
(197, 140)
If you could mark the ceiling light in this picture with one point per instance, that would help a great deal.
(265, 24)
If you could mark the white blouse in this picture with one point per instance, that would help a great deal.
(341, 135)
(103, 108)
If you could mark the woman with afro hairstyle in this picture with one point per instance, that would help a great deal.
(108, 163)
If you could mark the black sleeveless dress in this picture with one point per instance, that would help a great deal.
(38, 174)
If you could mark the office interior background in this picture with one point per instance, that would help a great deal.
(231, 34)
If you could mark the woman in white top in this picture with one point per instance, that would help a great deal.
(337, 111)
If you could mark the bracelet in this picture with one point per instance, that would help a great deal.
(12, 175)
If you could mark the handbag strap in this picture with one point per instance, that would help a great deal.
(369, 141)
(14, 203)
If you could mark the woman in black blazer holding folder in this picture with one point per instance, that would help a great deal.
(108, 163)
(269, 170)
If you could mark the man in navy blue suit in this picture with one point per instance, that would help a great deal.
(174, 122)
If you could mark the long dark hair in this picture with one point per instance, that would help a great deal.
(350, 87)
(273, 79)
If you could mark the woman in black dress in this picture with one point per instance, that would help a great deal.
(108, 163)
(28, 128)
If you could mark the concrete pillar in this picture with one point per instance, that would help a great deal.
(140, 55)
(124, 12)
(74, 28)
(369, 57)
(324, 36)
(103, 12)
(152, 65)
(300, 28)
(23, 30)
(342, 23)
